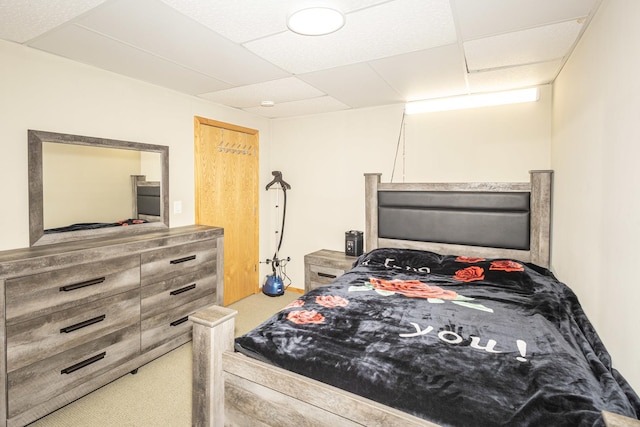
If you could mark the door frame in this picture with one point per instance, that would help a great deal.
(200, 121)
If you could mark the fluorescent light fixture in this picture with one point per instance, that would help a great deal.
(472, 101)
(315, 21)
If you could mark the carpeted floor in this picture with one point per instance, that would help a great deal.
(160, 393)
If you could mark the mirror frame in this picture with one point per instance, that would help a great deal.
(36, 206)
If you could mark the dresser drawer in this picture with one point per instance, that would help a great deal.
(163, 327)
(40, 294)
(37, 383)
(163, 264)
(177, 291)
(45, 336)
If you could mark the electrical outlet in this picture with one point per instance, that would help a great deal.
(177, 207)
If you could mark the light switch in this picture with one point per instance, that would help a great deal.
(177, 207)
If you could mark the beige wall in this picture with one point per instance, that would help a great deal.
(595, 154)
(87, 184)
(593, 148)
(324, 157)
(44, 92)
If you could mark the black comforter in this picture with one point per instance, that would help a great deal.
(454, 340)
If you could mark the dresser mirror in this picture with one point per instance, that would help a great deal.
(85, 187)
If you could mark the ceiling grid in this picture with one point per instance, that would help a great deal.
(240, 52)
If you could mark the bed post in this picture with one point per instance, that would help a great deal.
(371, 181)
(541, 181)
(213, 333)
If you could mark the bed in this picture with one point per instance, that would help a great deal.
(145, 206)
(451, 317)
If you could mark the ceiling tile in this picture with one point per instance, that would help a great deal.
(240, 52)
(245, 20)
(88, 47)
(174, 37)
(370, 90)
(514, 77)
(237, 20)
(376, 32)
(278, 91)
(429, 73)
(21, 20)
(324, 104)
(480, 18)
(522, 47)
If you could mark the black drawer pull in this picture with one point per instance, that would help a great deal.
(330, 276)
(84, 363)
(179, 321)
(181, 260)
(181, 290)
(84, 284)
(81, 325)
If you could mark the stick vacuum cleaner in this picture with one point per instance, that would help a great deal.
(273, 285)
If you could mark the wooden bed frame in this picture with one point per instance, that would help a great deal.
(146, 199)
(230, 388)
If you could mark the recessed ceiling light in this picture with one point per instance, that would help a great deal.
(315, 21)
(267, 103)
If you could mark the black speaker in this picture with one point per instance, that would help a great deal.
(353, 243)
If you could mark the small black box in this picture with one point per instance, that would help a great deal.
(353, 243)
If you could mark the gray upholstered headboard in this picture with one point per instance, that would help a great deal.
(475, 219)
(146, 198)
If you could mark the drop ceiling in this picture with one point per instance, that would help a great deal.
(240, 53)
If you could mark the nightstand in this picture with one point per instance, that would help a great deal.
(323, 266)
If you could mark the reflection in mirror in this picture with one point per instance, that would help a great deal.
(83, 187)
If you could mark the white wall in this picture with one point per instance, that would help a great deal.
(44, 92)
(595, 155)
(324, 157)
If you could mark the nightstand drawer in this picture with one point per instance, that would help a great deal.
(324, 275)
(45, 336)
(324, 266)
(165, 326)
(40, 294)
(167, 294)
(37, 383)
(162, 264)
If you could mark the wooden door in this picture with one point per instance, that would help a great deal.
(226, 182)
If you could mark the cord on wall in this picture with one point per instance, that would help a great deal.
(395, 159)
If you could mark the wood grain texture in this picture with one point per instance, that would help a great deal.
(323, 266)
(539, 188)
(617, 420)
(26, 261)
(296, 392)
(40, 338)
(261, 394)
(171, 261)
(40, 381)
(51, 330)
(158, 329)
(3, 359)
(35, 138)
(167, 294)
(39, 294)
(226, 167)
(213, 332)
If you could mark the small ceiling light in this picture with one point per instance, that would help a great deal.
(267, 103)
(315, 21)
(472, 101)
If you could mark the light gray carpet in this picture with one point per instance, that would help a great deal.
(160, 393)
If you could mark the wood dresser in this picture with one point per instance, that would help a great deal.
(76, 316)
